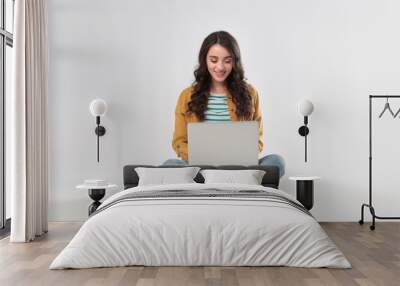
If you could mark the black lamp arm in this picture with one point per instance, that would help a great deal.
(100, 131)
(303, 131)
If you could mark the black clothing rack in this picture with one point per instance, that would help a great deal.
(369, 205)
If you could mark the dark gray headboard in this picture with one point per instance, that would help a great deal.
(271, 177)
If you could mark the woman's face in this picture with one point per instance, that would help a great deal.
(219, 63)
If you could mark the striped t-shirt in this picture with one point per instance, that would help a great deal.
(217, 108)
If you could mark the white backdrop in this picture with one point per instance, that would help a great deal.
(139, 55)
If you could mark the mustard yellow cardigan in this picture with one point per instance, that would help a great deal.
(183, 117)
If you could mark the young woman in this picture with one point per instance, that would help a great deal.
(219, 93)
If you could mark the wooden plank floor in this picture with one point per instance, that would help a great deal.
(375, 257)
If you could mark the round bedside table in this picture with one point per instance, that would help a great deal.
(96, 193)
(305, 190)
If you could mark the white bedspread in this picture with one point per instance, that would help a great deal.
(200, 231)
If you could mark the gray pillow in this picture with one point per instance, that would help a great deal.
(248, 177)
(165, 176)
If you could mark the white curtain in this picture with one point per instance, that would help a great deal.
(28, 122)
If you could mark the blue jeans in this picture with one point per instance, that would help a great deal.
(269, 160)
(274, 160)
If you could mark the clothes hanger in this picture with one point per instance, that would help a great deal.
(387, 107)
(395, 115)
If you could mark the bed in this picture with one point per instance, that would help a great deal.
(201, 224)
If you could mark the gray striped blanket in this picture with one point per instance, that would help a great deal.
(206, 194)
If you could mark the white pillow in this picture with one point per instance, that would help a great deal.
(164, 176)
(248, 177)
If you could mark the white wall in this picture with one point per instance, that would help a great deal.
(138, 56)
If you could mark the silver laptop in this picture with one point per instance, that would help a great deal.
(223, 143)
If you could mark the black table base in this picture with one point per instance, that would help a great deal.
(305, 193)
(96, 195)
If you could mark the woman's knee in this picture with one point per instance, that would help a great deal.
(274, 160)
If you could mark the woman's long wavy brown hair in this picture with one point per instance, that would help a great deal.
(235, 82)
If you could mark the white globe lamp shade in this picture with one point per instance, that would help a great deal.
(98, 107)
(306, 107)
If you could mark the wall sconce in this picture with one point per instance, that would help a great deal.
(305, 108)
(98, 107)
